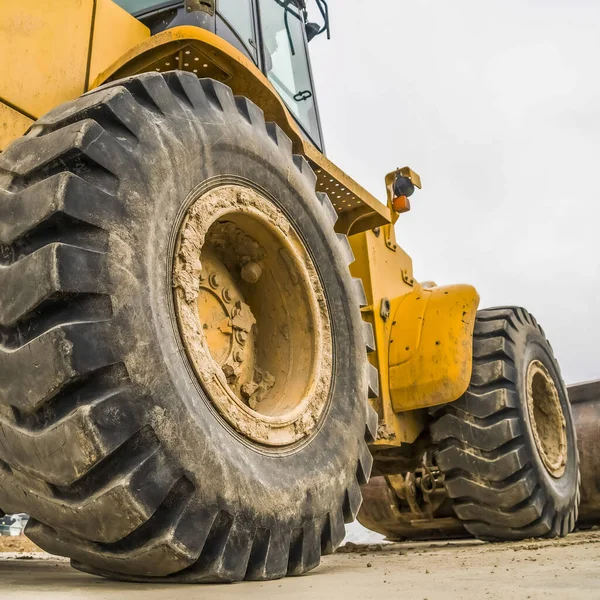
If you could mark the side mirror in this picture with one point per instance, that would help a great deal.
(312, 31)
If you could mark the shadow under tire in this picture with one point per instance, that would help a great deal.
(108, 441)
(508, 446)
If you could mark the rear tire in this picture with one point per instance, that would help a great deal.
(108, 440)
(507, 481)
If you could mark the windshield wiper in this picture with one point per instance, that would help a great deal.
(285, 4)
(301, 6)
(324, 9)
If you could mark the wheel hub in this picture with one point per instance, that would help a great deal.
(547, 418)
(228, 325)
(252, 316)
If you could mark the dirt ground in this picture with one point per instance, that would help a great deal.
(566, 569)
(17, 544)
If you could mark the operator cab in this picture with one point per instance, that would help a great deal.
(274, 34)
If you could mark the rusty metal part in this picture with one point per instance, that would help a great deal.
(423, 489)
(399, 459)
(414, 505)
(384, 311)
(547, 420)
(385, 512)
(262, 349)
(585, 403)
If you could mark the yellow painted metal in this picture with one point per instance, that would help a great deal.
(380, 269)
(122, 46)
(430, 346)
(410, 174)
(358, 209)
(44, 51)
(81, 44)
(115, 33)
(13, 124)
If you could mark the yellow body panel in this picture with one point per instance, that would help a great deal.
(380, 269)
(49, 55)
(430, 346)
(43, 53)
(115, 33)
(13, 124)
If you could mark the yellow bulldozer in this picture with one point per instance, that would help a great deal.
(210, 335)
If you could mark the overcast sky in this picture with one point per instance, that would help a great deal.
(496, 104)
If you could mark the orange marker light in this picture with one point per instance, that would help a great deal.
(401, 204)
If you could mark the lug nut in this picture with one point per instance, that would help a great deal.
(214, 280)
(241, 336)
(227, 295)
(251, 272)
(238, 356)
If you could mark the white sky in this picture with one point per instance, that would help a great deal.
(496, 104)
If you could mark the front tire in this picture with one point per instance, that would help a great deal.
(508, 447)
(109, 440)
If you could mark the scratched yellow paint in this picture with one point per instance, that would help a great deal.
(430, 356)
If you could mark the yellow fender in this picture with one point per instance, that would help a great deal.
(431, 344)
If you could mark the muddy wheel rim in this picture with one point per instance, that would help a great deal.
(547, 418)
(252, 315)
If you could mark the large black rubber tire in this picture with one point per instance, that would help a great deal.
(494, 472)
(106, 439)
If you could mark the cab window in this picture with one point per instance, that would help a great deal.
(239, 20)
(286, 62)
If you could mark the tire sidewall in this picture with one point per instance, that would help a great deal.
(176, 157)
(561, 489)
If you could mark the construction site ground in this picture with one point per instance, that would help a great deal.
(565, 569)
